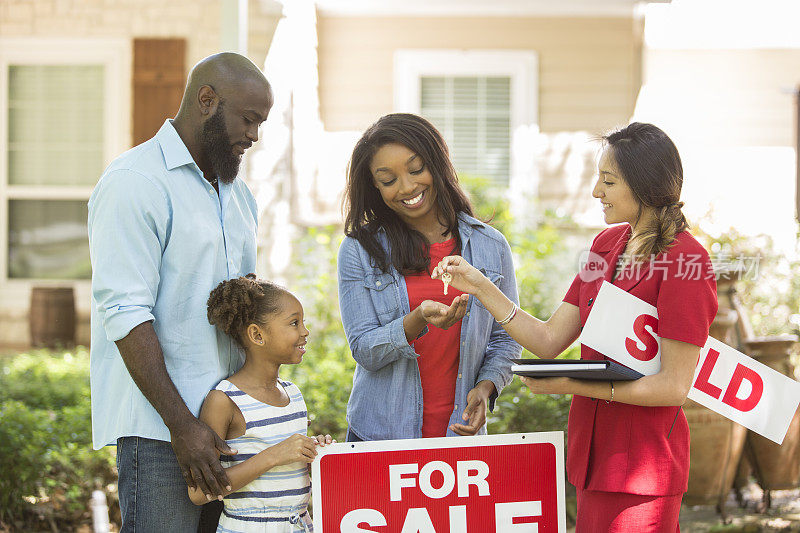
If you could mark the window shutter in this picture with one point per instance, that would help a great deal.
(159, 78)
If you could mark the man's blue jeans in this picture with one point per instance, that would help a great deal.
(152, 491)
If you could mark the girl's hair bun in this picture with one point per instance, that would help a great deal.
(236, 303)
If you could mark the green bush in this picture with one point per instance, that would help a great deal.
(326, 374)
(48, 469)
(770, 285)
(62, 381)
(539, 260)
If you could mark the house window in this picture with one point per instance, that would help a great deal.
(479, 100)
(55, 139)
(47, 239)
(62, 125)
(474, 115)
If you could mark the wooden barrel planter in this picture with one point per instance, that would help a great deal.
(742, 478)
(716, 445)
(52, 317)
(716, 441)
(775, 467)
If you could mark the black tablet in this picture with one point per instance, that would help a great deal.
(604, 370)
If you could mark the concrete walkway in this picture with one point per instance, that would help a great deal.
(783, 515)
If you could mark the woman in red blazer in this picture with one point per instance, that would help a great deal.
(628, 442)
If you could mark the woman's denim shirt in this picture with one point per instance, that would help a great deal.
(386, 400)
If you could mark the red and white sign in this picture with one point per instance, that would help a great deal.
(625, 329)
(484, 484)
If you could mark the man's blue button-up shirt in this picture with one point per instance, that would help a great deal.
(161, 238)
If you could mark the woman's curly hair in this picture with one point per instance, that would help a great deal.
(236, 303)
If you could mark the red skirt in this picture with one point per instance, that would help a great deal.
(616, 512)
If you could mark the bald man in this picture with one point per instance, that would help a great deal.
(168, 221)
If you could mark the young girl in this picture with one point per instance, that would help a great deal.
(260, 415)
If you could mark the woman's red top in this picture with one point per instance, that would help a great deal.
(438, 349)
(616, 447)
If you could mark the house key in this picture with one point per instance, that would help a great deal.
(446, 279)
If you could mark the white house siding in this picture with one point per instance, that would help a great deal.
(732, 114)
(589, 67)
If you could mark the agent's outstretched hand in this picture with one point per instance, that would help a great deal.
(464, 276)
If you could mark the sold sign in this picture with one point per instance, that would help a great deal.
(484, 484)
(624, 328)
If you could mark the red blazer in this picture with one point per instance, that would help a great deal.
(626, 448)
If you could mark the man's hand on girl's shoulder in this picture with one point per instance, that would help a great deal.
(197, 448)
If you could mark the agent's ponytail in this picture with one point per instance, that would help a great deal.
(657, 236)
(236, 303)
(651, 166)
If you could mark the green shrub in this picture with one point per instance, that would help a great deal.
(326, 374)
(542, 268)
(517, 410)
(770, 286)
(62, 381)
(47, 466)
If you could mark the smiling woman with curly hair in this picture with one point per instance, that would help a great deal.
(429, 362)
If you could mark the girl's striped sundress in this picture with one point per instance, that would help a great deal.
(277, 501)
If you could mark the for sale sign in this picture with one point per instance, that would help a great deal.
(625, 328)
(493, 483)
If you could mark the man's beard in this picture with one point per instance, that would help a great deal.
(216, 145)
